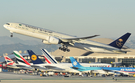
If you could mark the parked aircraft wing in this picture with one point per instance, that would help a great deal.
(54, 68)
(39, 67)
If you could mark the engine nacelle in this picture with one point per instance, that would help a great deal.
(51, 40)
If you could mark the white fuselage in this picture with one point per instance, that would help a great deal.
(45, 35)
(66, 67)
(13, 66)
(18, 66)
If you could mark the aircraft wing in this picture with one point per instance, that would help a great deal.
(54, 67)
(13, 66)
(21, 66)
(39, 67)
(77, 38)
(86, 68)
(111, 70)
(25, 67)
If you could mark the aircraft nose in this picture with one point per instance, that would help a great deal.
(5, 25)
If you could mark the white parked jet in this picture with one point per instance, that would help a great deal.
(51, 37)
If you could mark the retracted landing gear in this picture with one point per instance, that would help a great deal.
(64, 48)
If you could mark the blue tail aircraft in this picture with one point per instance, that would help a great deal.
(78, 67)
(37, 63)
(112, 70)
(34, 58)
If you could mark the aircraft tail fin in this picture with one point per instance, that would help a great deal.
(8, 60)
(20, 58)
(48, 57)
(34, 57)
(74, 62)
(118, 43)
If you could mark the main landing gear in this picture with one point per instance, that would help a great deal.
(64, 48)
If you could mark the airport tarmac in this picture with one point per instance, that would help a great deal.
(9, 77)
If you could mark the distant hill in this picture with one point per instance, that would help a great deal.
(36, 48)
(14, 40)
(8, 44)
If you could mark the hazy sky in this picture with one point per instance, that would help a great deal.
(107, 18)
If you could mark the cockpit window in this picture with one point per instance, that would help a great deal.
(20, 24)
(7, 23)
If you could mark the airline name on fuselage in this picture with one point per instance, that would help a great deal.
(127, 69)
(40, 30)
(29, 26)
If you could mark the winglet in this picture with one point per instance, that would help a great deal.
(118, 43)
(48, 57)
(74, 62)
(34, 57)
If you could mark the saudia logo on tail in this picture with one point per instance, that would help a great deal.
(119, 42)
(34, 57)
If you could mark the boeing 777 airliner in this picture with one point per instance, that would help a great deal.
(52, 37)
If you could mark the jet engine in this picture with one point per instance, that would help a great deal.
(51, 40)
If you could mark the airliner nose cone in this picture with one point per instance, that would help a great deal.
(4, 25)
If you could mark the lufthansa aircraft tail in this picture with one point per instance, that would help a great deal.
(34, 57)
(48, 57)
(118, 43)
(9, 61)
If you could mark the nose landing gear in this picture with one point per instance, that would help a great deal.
(11, 35)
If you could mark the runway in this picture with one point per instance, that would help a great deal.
(62, 81)
(9, 77)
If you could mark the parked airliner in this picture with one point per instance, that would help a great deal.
(52, 37)
(106, 70)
